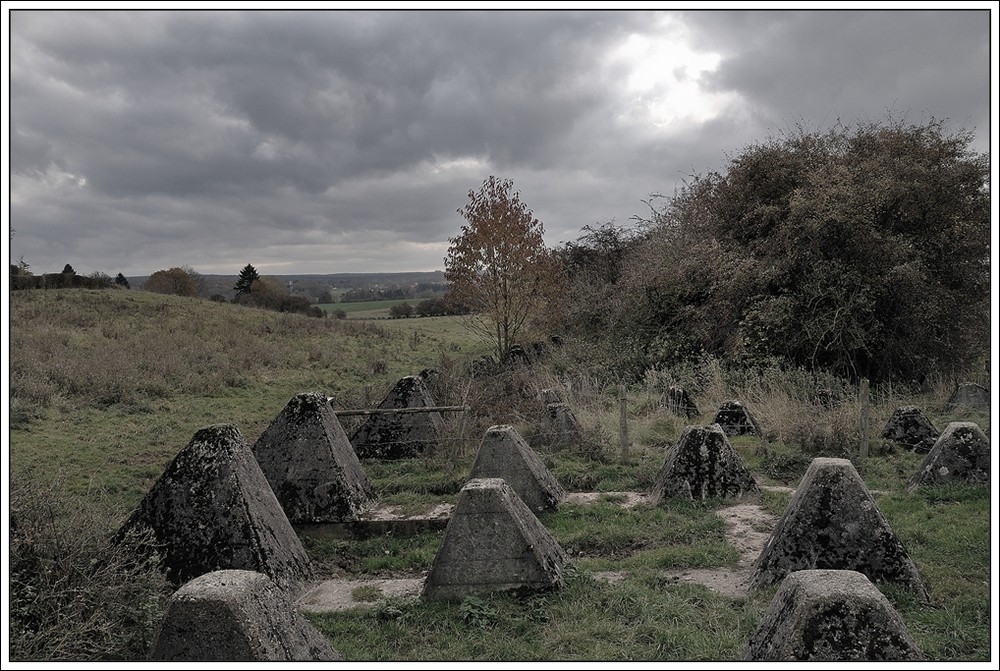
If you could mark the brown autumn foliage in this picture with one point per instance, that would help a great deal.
(175, 281)
(499, 266)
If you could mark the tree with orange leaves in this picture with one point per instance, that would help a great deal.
(499, 266)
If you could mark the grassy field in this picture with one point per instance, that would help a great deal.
(106, 388)
(366, 309)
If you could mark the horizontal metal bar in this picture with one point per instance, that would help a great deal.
(402, 411)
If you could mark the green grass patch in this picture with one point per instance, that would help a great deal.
(421, 476)
(107, 386)
(946, 530)
(384, 556)
(678, 534)
(367, 593)
(578, 472)
(590, 619)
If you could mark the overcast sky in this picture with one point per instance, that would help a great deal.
(345, 141)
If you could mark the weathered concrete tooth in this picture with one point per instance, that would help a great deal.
(833, 522)
(493, 543)
(830, 616)
(212, 509)
(310, 464)
(237, 616)
(503, 453)
(404, 435)
(961, 456)
(736, 420)
(703, 464)
(909, 427)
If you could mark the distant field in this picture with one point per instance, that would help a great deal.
(366, 309)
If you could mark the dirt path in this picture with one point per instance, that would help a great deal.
(333, 595)
(748, 527)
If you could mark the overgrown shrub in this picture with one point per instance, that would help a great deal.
(863, 250)
(175, 281)
(75, 595)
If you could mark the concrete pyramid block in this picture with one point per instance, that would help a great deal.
(678, 401)
(504, 454)
(961, 456)
(387, 436)
(969, 395)
(909, 427)
(493, 543)
(832, 522)
(212, 509)
(736, 420)
(237, 616)
(703, 464)
(310, 464)
(560, 426)
(830, 616)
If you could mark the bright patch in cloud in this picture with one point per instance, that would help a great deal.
(462, 164)
(662, 78)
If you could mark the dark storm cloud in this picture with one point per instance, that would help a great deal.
(817, 66)
(346, 141)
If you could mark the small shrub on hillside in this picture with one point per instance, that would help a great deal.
(74, 595)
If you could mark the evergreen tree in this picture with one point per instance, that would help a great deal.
(122, 281)
(248, 276)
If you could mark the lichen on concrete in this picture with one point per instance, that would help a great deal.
(910, 428)
(702, 465)
(961, 456)
(237, 616)
(830, 615)
(736, 420)
(310, 464)
(833, 522)
(388, 436)
(212, 509)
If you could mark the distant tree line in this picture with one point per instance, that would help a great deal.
(396, 292)
(270, 294)
(251, 289)
(22, 278)
(429, 307)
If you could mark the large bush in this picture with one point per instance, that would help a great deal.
(861, 250)
(175, 281)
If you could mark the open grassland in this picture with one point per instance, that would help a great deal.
(106, 388)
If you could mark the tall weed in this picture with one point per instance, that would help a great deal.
(74, 594)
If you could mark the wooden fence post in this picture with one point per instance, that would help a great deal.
(863, 402)
(623, 422)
